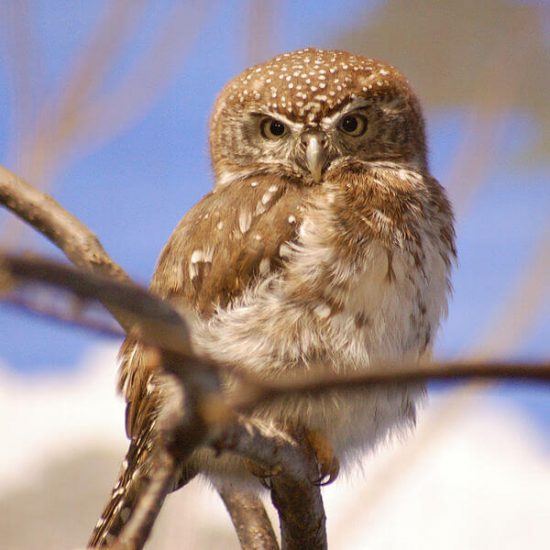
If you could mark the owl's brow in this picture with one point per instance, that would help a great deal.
(292, 124)
(353, 105)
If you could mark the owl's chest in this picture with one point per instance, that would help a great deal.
(343, 307)
(371, 303)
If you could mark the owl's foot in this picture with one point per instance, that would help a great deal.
(263, 474)
(328, 463)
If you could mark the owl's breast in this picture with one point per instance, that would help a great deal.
(343, 308)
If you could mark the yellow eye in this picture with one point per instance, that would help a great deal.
(272, 128)
(353, 125)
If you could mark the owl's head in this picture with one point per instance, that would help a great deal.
(304, 112)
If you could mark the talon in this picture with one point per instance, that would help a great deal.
(264, 475)
(328, 464)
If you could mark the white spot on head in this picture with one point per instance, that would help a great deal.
(292, 219)
(253, 184)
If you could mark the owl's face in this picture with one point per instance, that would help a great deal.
(303, 113)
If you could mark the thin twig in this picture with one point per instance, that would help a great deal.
(315, 385)
(73, 319)
(146, 315)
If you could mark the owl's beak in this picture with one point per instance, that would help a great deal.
(315, 154)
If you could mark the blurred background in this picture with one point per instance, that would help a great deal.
(105, 105)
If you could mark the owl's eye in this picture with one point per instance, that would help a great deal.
(272, 128)
(353, 125)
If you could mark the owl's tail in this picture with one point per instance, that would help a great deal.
(134, 475)
(122, 501)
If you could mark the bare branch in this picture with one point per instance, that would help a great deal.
(48, 217)
(159, 325)
(168, 329)
(150, 317)
(59, 315)
(295, 495)
(301, 514)
(315, 385)
(250, 519)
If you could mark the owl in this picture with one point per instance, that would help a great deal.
(324, 244)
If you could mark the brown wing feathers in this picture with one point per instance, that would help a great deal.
(229, 241)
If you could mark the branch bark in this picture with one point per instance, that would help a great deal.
(152, 319)
(249, 519)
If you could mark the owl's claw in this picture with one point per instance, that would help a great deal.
(329, 473)
(264, 475)
(328, 463)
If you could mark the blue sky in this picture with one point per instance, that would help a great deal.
(133, 190)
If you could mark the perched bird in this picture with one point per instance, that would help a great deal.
(325, 241)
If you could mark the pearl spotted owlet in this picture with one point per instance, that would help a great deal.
(325, 241)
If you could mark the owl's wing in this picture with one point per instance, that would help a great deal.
(233, 238)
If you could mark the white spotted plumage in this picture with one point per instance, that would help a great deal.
(317, 249)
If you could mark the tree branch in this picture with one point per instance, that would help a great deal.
(47, 216)
(315, 385)
(83, 248)
(63, 229)
(163, 327)
(152, 319)
(209, 418)
(249, 519)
